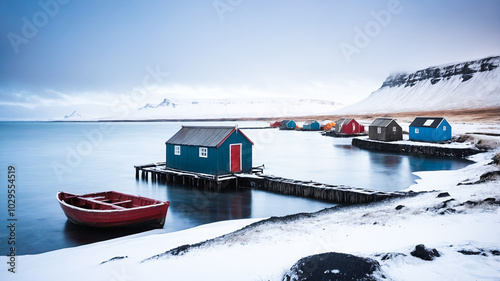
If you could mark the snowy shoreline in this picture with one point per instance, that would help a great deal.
(463, 227)
(266, 250)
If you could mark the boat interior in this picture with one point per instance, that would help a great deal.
(106, 201)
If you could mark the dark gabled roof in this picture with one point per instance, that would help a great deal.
(343, 120)
(203, 136)
(309, 122)
(382, 122)
(429, 122)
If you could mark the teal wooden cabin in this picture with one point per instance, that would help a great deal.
(430, 129)
(209, 150)
(288, 125)
(311, 125)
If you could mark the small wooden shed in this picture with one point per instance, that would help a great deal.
(431, 129)
(288, 125)
(385, 129)
(311, 125)
(348, 126)
(210, 150)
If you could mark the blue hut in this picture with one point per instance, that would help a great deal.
(311, 125)
(431, 129)
(210, 150)
(288, 125)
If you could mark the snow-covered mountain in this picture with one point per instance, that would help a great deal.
(471, 84)
(74, 116)
(230, 108)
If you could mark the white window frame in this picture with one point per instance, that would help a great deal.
(416, 130)
(203, 152)
(379, 130)
(444, 128)
(394, 129)
(177, 150)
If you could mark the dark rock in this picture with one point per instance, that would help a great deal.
(489, 176)
(114, 259)
(425, 253)
(496, 158)
(399, 207)
(390, 256)
(445, 203)
(489, 200)
(448, 211)
(470, 252)
(181, 250)
(462, 138)
(466, 77)
(443, 194)
(495, 252)
(334, 266)
(470, 202)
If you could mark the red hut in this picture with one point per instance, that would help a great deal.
(348, 126)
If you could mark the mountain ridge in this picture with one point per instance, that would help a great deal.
(470, 84)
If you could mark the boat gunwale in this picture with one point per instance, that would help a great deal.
(112, 210)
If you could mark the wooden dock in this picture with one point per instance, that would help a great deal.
(319, 191)
(157, 172)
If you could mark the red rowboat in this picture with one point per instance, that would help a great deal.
(113, 209)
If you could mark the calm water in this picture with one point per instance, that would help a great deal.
(90, 157)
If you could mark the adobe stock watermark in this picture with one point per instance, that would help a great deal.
(126, 103)
(94, 137)
(267, 136)
(223, 6)
(30, 27)
(363, 37)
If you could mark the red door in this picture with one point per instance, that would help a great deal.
(235, 158)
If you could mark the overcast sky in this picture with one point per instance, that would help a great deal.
(60, 55)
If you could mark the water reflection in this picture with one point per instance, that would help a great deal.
(192, 206)
(389, 170)
(81, 235)
(34, 148)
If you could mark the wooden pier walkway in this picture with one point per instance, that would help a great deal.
(307, 189)
(319, 191)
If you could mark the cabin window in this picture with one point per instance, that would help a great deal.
(444, 128)
(379, 130)
(203, 152)
(353, 127)
(394, 129)
(416, 130)
(177, 150)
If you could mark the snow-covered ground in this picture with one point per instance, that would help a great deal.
(266, 249)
